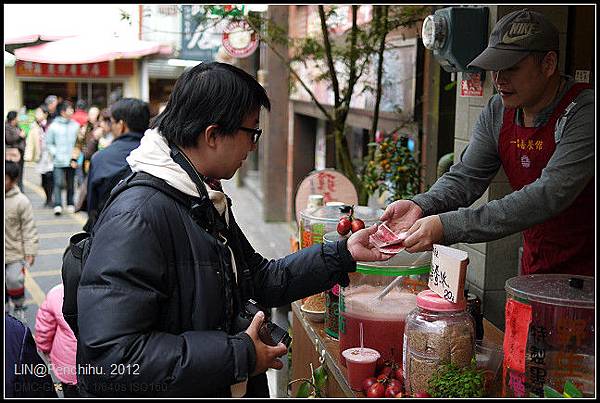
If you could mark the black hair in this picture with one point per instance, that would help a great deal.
(132, 111)
(207, 94)
(63, 106)
(81, 104)
(11, 169)
(12, 115)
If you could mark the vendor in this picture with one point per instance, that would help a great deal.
(539, 127)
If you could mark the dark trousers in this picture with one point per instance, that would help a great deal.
(48, 184)
(70, 390)
(21, 172)
(60, 175)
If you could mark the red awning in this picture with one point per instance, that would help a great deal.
(87, 49)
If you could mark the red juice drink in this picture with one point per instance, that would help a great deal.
(383, 320)
(361, 365)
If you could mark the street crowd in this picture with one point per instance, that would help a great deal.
(169, 273)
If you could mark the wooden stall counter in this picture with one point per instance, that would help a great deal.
(311, 344)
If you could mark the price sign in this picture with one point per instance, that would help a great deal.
(448, 272)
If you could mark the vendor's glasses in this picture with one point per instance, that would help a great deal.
(254, 132)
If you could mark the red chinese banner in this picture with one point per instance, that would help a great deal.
(88, 70)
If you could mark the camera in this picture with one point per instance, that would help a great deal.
(269, 332)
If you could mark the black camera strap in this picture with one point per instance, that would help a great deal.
(204, 212)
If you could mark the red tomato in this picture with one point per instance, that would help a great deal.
(344, 226)
(399, 374)
(357, 224)
(367, 383)
(376, 390)
(422, 394)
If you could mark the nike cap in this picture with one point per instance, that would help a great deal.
(514, 37)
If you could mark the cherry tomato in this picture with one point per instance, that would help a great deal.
(422, 394)
(387, 371)
(380, 364)
(357, 224)
(367, 383)
(399, 395)
(390, 392)
(399, 374)
(376, 390)
(344, 226)
(396, 384)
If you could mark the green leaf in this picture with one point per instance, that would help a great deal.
(550, 392)
(571, 390)
(320, 377)
(304, 389)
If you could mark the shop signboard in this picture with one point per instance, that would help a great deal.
(86, 70)
(471, 85)
(199, 41)
(239, 39)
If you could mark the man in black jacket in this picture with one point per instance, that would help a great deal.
(164, 284)
(130, 118)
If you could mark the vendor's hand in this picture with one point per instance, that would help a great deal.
(401, 215)
(424, 233)
(266, 356)
(361, 249)
(30, 259)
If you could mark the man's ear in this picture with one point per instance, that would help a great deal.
(210, 135)
(550, 63)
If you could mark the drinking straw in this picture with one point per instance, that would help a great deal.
(361, 338)
(394, 283)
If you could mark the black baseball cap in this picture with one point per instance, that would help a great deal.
(514, 37)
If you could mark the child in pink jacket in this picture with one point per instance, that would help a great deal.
(53, 336)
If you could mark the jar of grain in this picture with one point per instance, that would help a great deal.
(437, 332)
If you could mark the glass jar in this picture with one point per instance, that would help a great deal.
(383, 319)
(316, 223)
(437, 332)
(549, 336)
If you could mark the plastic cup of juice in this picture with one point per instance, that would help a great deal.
(360, 364)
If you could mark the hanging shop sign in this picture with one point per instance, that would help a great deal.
(239, 39)
(200, 40)
(86, 70)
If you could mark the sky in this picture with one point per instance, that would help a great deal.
(26, 19)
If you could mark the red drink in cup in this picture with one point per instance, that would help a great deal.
(360, 364)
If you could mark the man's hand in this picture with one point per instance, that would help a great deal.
(361, 249)
(266, 356)
(30, 259)
(424, 233)
(401, 215)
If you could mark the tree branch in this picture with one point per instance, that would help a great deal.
(293, 72)
(334, 81)
(383, 19)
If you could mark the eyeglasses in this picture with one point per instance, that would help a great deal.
(255, 133)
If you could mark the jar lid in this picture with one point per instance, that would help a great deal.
(402, 264)
(332, 213)
(553, 289)
(433, 302)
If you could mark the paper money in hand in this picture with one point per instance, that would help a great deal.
(387, 241)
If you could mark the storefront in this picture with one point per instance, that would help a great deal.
(98, 84)
(97, 70)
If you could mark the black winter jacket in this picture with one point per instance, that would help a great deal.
(158, 300)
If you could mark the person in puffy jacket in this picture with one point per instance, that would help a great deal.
(165, 282)
(25, 373)
(60, 140)
(55, 338)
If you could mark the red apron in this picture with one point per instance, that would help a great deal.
(564, 243)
